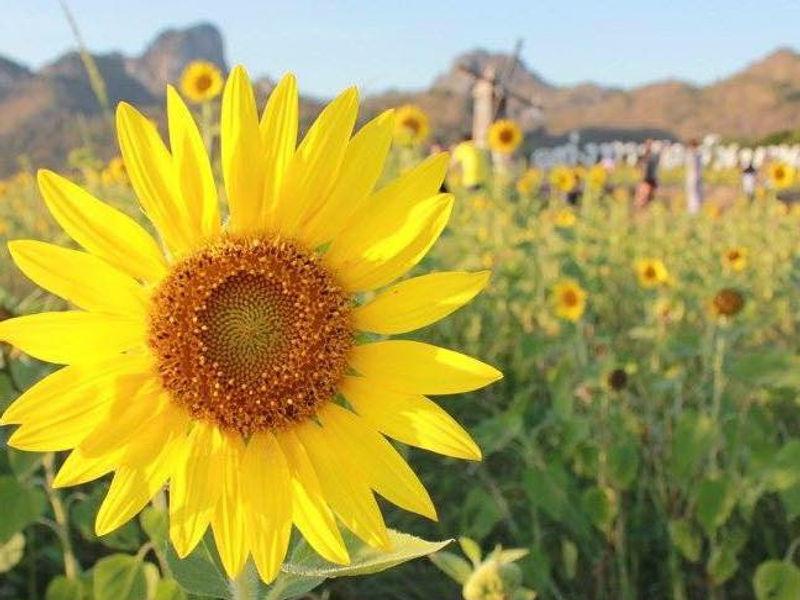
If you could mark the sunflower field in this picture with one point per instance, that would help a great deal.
(644, 441)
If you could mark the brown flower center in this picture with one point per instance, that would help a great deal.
(650, 272)
(203, 82)
(570, 298)
(412, 124)
(251, 333)
(506, 135)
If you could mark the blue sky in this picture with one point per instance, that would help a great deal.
(405, 43)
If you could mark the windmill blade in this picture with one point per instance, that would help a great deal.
(502, 87)
(468, 71)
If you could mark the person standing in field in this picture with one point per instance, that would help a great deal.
(694, 177)
(647, 188)
(468, 161)
(749, 180)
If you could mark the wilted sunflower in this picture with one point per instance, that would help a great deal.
(411, 125)
(563, 178)
(651, 272)
(220, 363)
(529, 182)
(727, 302)
(201, 81)
(781, 175)
(505, 136)
(570, 299)
(735, 258)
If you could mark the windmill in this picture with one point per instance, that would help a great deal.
(491, 92)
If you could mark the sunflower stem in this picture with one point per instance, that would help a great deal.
(71, 567)
(245, 585)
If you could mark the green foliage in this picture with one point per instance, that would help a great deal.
(777, 580)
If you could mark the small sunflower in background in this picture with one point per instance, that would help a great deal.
(563, 178)
(114, 172)
(505, 136)
(529, 182)
(564, 218)
(727, 302)
(735, 259)
(411, 125)
(781, 175)
(616, 380)
(201, 81)
(651, 272)
(596, 177)
(217, 358)
(570, 299)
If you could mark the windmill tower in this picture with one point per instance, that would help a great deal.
(490, 94)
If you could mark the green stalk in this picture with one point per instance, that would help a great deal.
(71, 567)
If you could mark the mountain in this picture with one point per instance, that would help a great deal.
(48, 112)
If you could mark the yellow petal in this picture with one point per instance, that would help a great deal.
(310, 511)
(409, 418)
(393, 256)
(267, 503)
(312, 171)
(344, 486)
(227, 520)
(195, 179)
(73, 337)
(407, 366)
(418, 302)
(79, 468)
(172, 421)
(362, 165)
(101, 229)
(242, 152)
(387, 472)
(278, 129)
(83, 279)
(150, 170)
(131, 489)
(195, 487)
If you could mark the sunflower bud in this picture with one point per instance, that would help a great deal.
(617, 379)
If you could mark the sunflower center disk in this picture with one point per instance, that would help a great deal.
(252, 334)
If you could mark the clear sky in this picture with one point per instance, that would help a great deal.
(405, 43)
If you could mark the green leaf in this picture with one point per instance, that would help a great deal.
(569, 555)
(716, 499)
(783, 472)
(791, 501)
(21, 506)
(768, 368)
(479, 513)
(11, 552)
(199, 573)
(23, 464)
(151, 577)
(119, 577)
(455, 567)
(686, 539)
(126, 538)
(777, 580)
(471, 550)
(155, 523)
(722, 564)
(600, 505)
(623, 463)
(61, 588)
(168, 589)
(511, 555)
(691, 443)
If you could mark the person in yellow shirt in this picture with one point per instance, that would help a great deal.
(469, 162)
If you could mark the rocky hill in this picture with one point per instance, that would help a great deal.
(44, 114)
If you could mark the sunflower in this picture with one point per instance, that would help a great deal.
(570, 299)
(616, 380)
(651, 272)
(727, 302)
(411, 125)
(114, 172)
(529, 182)
(563, 178)
(596, 177)
(564, 218)
(781, 175)
(201, 81)
(229, 362)
(735, 258)
(505, 136)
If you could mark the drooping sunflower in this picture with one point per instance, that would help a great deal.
(505, 136)
(570, 299)
(781, 175)
(529, 181)
(735, 258)
(223, 361)
(562, 178)
(651, 272)
(411, 125)
(201, 81)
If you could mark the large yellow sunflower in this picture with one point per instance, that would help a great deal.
(505, 136)
(411, 125)
(201, 81)
(235, 361)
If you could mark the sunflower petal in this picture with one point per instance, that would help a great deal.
(83, 279)
(73, 337)
(267, 503)
(195, 489)
(387, 472)
(418, 368)
(361, 167)
(310, 511)
(278, 129)
(418, 302)
(242, 152)
(227, 520)
(193, 168)
(171, 422)
(312, 171)
(344, 487)
(102, 230)
(79, 468)
(409, 418)
(152, 176)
